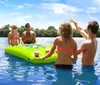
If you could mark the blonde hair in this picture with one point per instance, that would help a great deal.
(65, 30)
(14, 27)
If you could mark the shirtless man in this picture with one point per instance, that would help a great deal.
(28, 36)
(89, 47)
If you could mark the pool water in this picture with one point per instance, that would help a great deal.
(16, 71)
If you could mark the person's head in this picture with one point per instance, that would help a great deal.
(14, 28)
(93, 26)
(65, 30)
(27, 27)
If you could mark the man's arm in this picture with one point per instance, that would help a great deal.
(82, 48)
(34, 37)
(79, 29)
(22, 38)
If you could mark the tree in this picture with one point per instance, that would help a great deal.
(49, 32)
(52, 31)
(76, 33)
(20, 30)
(4, 31)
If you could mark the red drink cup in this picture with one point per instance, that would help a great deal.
(36, 54)
(47, 50)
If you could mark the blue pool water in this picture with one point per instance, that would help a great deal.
(15, 71)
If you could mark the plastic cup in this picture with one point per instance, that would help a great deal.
(36, 54)
(47, 50)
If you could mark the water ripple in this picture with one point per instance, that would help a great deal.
(15, 71)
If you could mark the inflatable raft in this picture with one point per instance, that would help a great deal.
(31, 53)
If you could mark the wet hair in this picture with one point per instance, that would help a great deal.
(27, 25)
(94, 26)
(65, 30)
(14, 27)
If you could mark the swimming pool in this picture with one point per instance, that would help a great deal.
(15, 71)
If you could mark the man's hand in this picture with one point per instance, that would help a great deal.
(79, 29)
(73, 58)
(42, 57)
(71, 20)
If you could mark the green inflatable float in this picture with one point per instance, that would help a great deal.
(32, 53)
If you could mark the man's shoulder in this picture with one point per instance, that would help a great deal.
(32, 32)
(87, 42)
(24, 32)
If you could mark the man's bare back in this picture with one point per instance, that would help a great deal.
(89, 50)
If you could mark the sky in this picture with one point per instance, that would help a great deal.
(45, 13)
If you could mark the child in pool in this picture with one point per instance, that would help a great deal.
(66, 47)
(13, 36)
